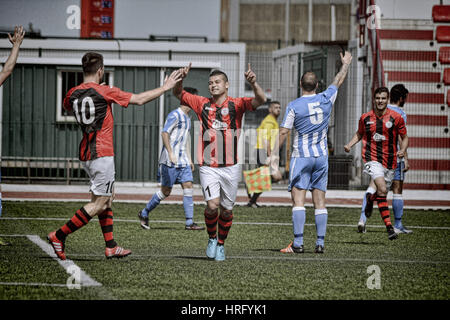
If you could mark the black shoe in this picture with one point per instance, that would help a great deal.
(194, 226)
(392, 235)
(319, 249)
(369, 205)
(144, 221)
(298, 249)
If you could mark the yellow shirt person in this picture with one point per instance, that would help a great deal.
(267, 132)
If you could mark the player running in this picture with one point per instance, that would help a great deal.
(397, 97)
(309, 116)
(380, 130)
(91, 105)
(221, 118)
(175, 165)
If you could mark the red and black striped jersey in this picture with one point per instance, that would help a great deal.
(380, 137)
(220, 128)
(91, 105)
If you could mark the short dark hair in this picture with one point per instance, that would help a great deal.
(191, 90)
(380, 90)
(274, 102)
(309, 81)
(92, 61)
(398, 92)
(218, 73)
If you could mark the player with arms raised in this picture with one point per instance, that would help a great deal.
(221, 118)
(91, 105)
(309, 116)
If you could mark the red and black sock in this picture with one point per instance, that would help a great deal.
(211, 222)
(80, 219)
(384, 210)
(225, 222)
(106, 222)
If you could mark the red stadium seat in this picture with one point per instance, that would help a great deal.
(441, 13)
(444, 55)
(443, 34)
(448, 97)
(446, 76)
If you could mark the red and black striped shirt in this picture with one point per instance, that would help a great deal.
(380, 137)
(91, 105)
(220, 128)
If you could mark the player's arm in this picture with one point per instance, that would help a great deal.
(340, 77)
(16, 41)
(283, 134)
(355, 139)
(405, 156)
(178, 88)
(166, 142)
(260, 96)
(403, 145)
(188, 152)
(147, 96)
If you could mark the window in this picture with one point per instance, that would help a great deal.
(68, 78)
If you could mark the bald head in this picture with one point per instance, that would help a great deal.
(309, 81)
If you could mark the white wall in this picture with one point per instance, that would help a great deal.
(133, 18)
(407, 9)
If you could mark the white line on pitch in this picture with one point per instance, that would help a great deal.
(236, 222)
(85, 279)
(33, 284)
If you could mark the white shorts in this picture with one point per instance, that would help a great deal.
(375, 170)
(101, 172)
(220, 183)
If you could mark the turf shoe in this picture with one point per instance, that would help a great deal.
(144, 221)
(319, 249)
(369, 205)
(211, 248)
(194, 226)
(361, 226)
(58, 245)
(220, 253)
(402, 229)
(391, 233)
(291, 249)
(116, 252)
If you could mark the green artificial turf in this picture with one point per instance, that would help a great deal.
(169, 263)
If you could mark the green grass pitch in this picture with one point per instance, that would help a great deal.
(169, 263)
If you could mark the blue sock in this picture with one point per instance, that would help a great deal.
(298, 222)
(154, 201)
(188, 205)
(321, 217)
(397, 207)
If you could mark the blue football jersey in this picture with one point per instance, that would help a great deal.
(177, 126)
(309, 116)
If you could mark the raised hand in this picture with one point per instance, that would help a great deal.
(250, 76)
(185, 70)
(17, 38)
(347, 58)
(171, 80)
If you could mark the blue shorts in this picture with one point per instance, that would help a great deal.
(168, 176)
(399, 174)
(309, 173)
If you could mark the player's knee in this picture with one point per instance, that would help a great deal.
(166, 191)
(225, 213)
(213, 204)
(382, 191)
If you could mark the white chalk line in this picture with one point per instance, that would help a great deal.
(84, 281)
(234, 222)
